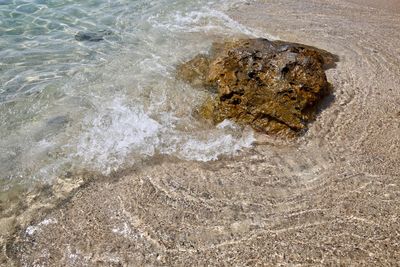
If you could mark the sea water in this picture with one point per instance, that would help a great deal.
(68, 105)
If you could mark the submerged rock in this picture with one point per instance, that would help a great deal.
(274, 86)
(92, 36)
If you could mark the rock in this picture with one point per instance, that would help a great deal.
(274, 86)
(195, 71)
(92, 36)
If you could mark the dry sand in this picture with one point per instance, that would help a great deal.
(331, 198)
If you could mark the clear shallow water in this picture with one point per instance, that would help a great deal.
(67, 105)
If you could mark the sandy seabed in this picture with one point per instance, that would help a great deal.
(330, 198)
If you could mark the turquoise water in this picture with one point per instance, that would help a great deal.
(69, 105)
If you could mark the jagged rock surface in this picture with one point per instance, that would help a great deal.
(273, 86)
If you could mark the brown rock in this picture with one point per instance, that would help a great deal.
(195, 71)
(272, 86)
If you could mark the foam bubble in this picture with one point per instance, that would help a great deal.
(114, 132)
(119, 132)
(32, 229)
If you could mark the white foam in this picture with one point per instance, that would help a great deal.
(114, 132)
(30, 230)
(205, 20)
(212, 148)
(118, 132)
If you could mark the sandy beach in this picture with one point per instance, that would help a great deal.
(332, 197)
(389, 5)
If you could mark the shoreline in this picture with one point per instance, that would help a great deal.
(332, 197)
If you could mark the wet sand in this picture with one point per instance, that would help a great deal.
(389, 5)
(330, 198)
